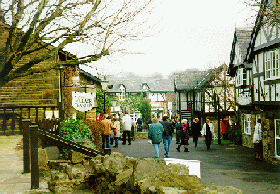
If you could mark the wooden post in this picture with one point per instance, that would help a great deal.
(26, 154)
(13, 124)
(34, 157)
(4, 125)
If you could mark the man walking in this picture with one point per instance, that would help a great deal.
(196, 128)
(126, 121)
(207, 131)
(167, 135)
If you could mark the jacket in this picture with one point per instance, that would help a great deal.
(168, 128)
(155, 132)
(107, 126)
(126, 121)
(117, 127)
(203, 131)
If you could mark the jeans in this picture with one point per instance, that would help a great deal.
(166, 143)
(116, 142)
(156, 146)
(106, 141)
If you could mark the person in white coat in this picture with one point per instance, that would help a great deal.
(126, 121)
(207, 131)
(117, 131)
(257, 140)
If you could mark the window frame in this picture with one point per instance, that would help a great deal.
(247, 128)
(272, 64)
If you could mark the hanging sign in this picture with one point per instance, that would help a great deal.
(83, 101)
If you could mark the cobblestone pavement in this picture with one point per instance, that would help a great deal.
(222, 165)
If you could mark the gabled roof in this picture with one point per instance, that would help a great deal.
(89, 75)
(255, 31)
(135, 84)
(242, 37)
(192, 79)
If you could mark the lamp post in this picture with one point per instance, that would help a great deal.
(105, 85)
(217, 108)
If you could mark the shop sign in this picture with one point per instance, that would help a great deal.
(83, 101)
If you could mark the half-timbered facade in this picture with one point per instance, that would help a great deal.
(242, 73)
(201, 94)
(159, 90)
(263, 58)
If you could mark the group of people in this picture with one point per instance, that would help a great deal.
(111, 132)
(162, 132)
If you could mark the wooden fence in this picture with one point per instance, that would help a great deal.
(11, 117)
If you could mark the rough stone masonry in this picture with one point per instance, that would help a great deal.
(119, 174)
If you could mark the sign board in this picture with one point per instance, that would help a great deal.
(83, 101)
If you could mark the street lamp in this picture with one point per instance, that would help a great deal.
(105, 85)
(217, 92)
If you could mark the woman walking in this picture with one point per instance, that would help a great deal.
(257, 140)
(155, 134)
(184, 134)
(117, 131)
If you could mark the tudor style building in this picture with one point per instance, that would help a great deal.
(158, 89)
(201, 94)
(263, 58)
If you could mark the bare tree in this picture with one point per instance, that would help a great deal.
(268, 10)
(49, 26)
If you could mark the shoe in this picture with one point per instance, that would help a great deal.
(166, 156)
(178, 149)
(129, 144)
(186, 150)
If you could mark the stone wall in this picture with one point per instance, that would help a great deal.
(119, 174)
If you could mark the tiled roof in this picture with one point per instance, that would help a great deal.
(134, 84)
(243, 39)
(191, 79)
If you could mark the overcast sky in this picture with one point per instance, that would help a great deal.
(194, 34)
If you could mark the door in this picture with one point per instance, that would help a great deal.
(277, 138)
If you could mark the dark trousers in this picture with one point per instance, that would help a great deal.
(126, 133)
(208, 140)
(178, 137)
(195, 141)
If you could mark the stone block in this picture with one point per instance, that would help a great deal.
(53, 152)
(42, 157)
(76, 157)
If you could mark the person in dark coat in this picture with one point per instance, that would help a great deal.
(178, 131)
(196, 128)
(155, 134)
(167, 135)
(184, 136)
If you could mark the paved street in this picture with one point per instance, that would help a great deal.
(223, 165)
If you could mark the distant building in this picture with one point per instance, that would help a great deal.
(159, 90)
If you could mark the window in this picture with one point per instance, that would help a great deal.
(272, 66)
(247, 124)
(241, 77)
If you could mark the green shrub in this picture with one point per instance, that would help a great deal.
(235, 134)
(76, 130)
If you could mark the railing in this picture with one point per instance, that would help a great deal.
(11, 117)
